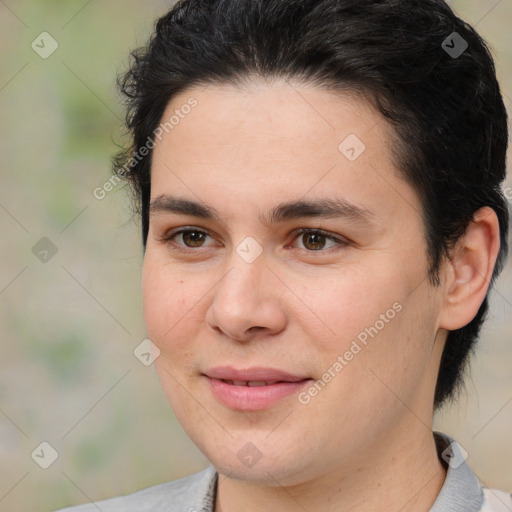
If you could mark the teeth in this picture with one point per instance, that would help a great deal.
(256, 383)
(250, 383)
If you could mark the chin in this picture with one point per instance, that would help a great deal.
(260, 462)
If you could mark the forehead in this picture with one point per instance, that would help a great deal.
(278, 115)
(275, 141)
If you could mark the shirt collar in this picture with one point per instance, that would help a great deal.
(461, 491)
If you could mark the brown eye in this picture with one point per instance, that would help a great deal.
(193, 238)
(183, 239)
(313, 241)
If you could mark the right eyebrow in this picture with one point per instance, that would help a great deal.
(170, 204)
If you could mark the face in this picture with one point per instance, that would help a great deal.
(296, 324)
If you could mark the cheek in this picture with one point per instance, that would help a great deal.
(386, 357)
(172, 317)
(171, 304)
(364, 325)
(351, 305)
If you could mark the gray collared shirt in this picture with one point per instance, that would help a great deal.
(461, 491)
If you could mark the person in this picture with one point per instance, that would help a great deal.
(319, 189)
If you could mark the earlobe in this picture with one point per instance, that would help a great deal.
(470, 269)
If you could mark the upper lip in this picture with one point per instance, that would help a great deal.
(255, 373)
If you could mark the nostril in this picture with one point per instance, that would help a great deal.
(251, 329)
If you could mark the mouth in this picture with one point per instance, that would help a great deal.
(252, 389)
(251, 383)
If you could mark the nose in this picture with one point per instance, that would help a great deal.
(246, 302)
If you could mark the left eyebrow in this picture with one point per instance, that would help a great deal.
(318, 208)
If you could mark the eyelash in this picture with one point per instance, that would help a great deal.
(169, 236)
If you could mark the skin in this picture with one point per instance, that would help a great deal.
(364, 442)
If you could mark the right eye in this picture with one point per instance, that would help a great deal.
(186, 238)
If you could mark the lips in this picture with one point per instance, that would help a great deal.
(252, 389)
(254, 374)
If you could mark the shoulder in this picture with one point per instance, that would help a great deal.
(496, 501)
(192, 493)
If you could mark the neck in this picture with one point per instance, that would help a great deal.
(406, 476)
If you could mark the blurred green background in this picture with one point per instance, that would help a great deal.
(71, 320)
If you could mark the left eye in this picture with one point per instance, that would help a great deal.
(315, 240)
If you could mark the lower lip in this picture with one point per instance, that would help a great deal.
(245, 398)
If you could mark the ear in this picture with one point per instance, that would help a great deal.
(469, 270)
